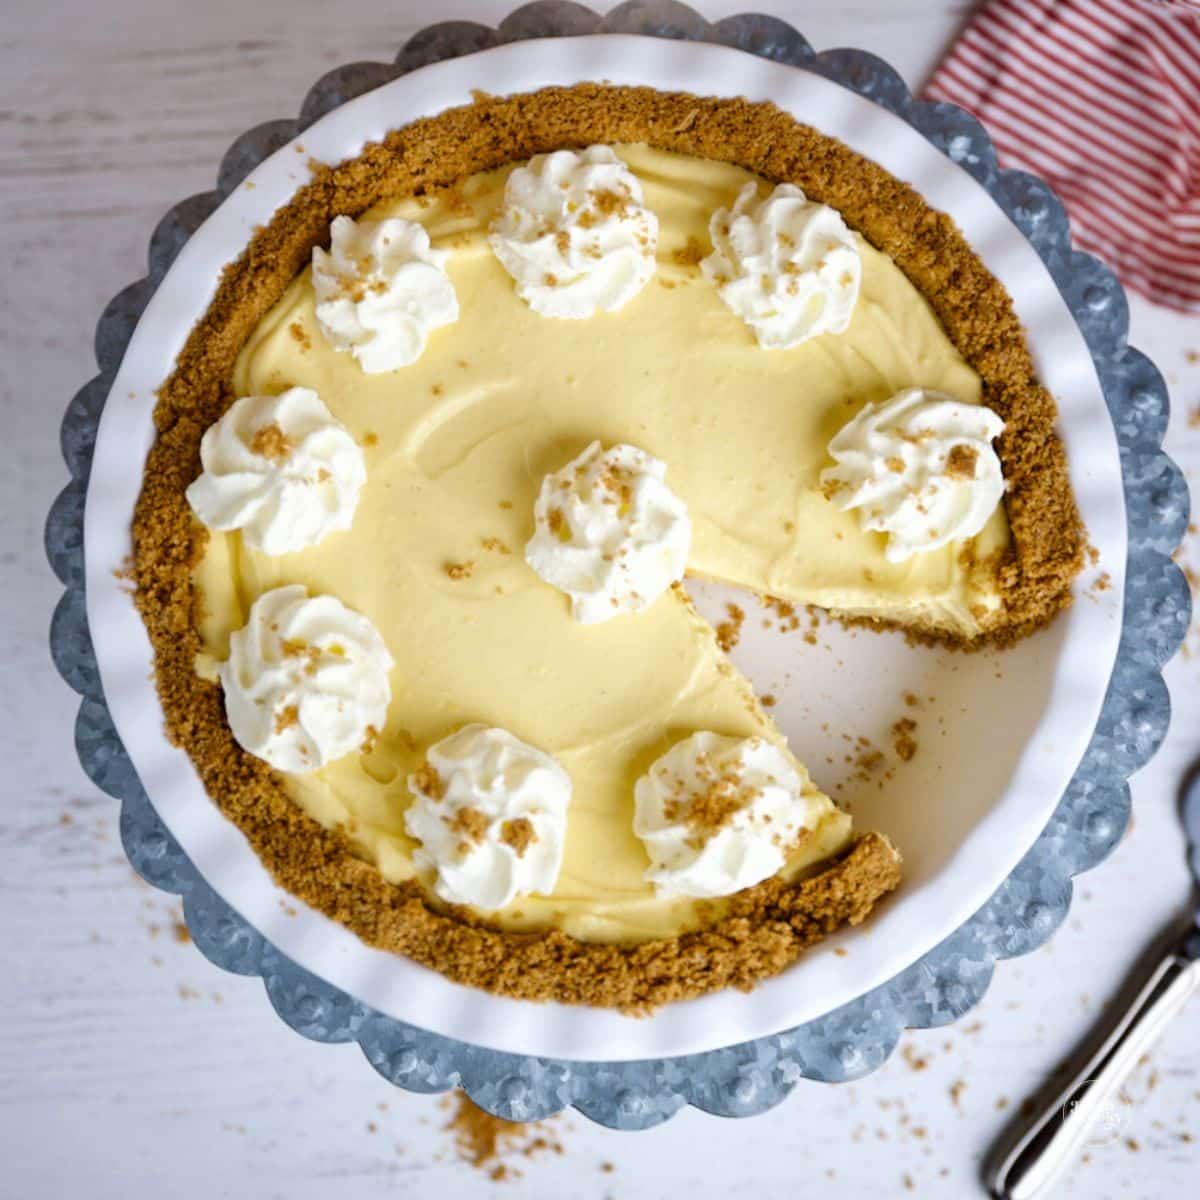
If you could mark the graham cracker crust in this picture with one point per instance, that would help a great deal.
(766, 927)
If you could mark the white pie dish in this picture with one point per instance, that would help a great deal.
(963, 811)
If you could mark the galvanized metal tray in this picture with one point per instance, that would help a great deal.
(856, 1038)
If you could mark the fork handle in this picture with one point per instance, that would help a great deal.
(1051, 1142)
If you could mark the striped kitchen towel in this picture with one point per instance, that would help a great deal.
(1101, 98)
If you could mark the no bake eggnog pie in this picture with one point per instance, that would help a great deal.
(432, 467)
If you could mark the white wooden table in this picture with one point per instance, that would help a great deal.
(129, 1066)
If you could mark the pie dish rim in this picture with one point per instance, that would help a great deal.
(117, 391)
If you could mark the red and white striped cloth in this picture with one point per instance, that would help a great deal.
(1101, 98)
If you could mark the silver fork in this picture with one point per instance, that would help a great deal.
(1026, 1167)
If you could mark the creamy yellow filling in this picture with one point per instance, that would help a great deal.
(456, 447)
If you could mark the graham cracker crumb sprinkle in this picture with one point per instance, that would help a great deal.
(609, 202)
(961, 461)
(298, 648)
(495, 545)
(557, 524)
(728, 632)
(299, 335)
(460, 570)
(370, 439)
(519, 834)
(481, 1140)
(785, 613)
(271, 442)
(469, 823)
(903, 741)
(707, 811)
(689, 254)
(428, 782)
(767, 927)
(285, 718)
(869, 761)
